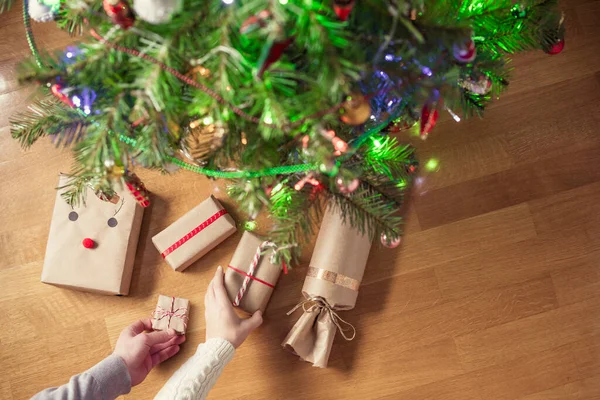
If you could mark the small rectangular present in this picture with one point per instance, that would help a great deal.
(331, 285)
(171, 313)
(109, 229)
(251, 263)
(193, 235)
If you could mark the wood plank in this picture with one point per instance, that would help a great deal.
(413, 368)
(406, 330)
(474, 159)
(585, 389)
(526, 375)
(516, 262)
(574, 209)
(521, 183)
(456, 388)
(530, 335)
(578, 283)
(587, 355)
(454, 241)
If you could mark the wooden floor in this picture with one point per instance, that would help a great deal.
(494, 293)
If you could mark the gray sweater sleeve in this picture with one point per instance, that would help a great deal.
(104, 381)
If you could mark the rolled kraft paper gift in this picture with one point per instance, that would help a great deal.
(331, 285)
(196, 233)
(261, 283)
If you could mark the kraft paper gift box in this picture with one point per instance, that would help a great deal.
(114, 228)
(331, 285)
(260, 284)
(195, 234)
(171, 313)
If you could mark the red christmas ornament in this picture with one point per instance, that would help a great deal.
(343, 8)
(137, 189)
(390, 243)
(428, 120)
(255, 22)
(120, 12)
(56, 90)
(88, 243)
(464, 52)
(556, 47)
(274, 54)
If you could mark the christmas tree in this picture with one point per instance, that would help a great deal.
(291, 100)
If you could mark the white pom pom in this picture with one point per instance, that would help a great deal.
(156, 11)
(40, 12)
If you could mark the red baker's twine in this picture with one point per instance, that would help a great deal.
(239, 271)
(193, 233)
(251, 269)
(161, 313)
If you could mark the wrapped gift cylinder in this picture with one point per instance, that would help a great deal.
(171, 313)
(194, 234)
(331, 285)
(92, 247)
(251, 277)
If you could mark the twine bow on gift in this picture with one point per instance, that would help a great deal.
(255, 260)
(180, 313)
(318, 304)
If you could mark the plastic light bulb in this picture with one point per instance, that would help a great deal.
(377, 143)
(227, 1)
(207, 120)
(432, 165)
(250, 226)
(277, 188)
(283, 2)
(76, 100)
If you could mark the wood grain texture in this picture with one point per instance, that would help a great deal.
(493, 294)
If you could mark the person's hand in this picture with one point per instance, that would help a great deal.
(141, 351)
(221, 319)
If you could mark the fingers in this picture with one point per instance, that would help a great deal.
(253, 322)
(140, 326)
(164, 354)
(174, 340)
(157, 337)
(219, 287)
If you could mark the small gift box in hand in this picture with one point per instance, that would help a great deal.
(171, 313)
(251, 277)
(194, 234)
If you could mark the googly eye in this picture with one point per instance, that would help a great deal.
(73, 216)
(112, 222)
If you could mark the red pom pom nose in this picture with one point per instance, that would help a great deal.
(88, 243)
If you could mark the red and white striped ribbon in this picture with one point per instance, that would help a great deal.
(255, 260)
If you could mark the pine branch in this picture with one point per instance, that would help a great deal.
(5, 5)
(48, 117)
(249, 195)
(385, 155)
(295, 215)
(369, 213)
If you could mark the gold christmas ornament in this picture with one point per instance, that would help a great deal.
(356, 111)
(113, 170)
(200, 140)
(198, 72)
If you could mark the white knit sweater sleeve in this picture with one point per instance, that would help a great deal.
(199, 374)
